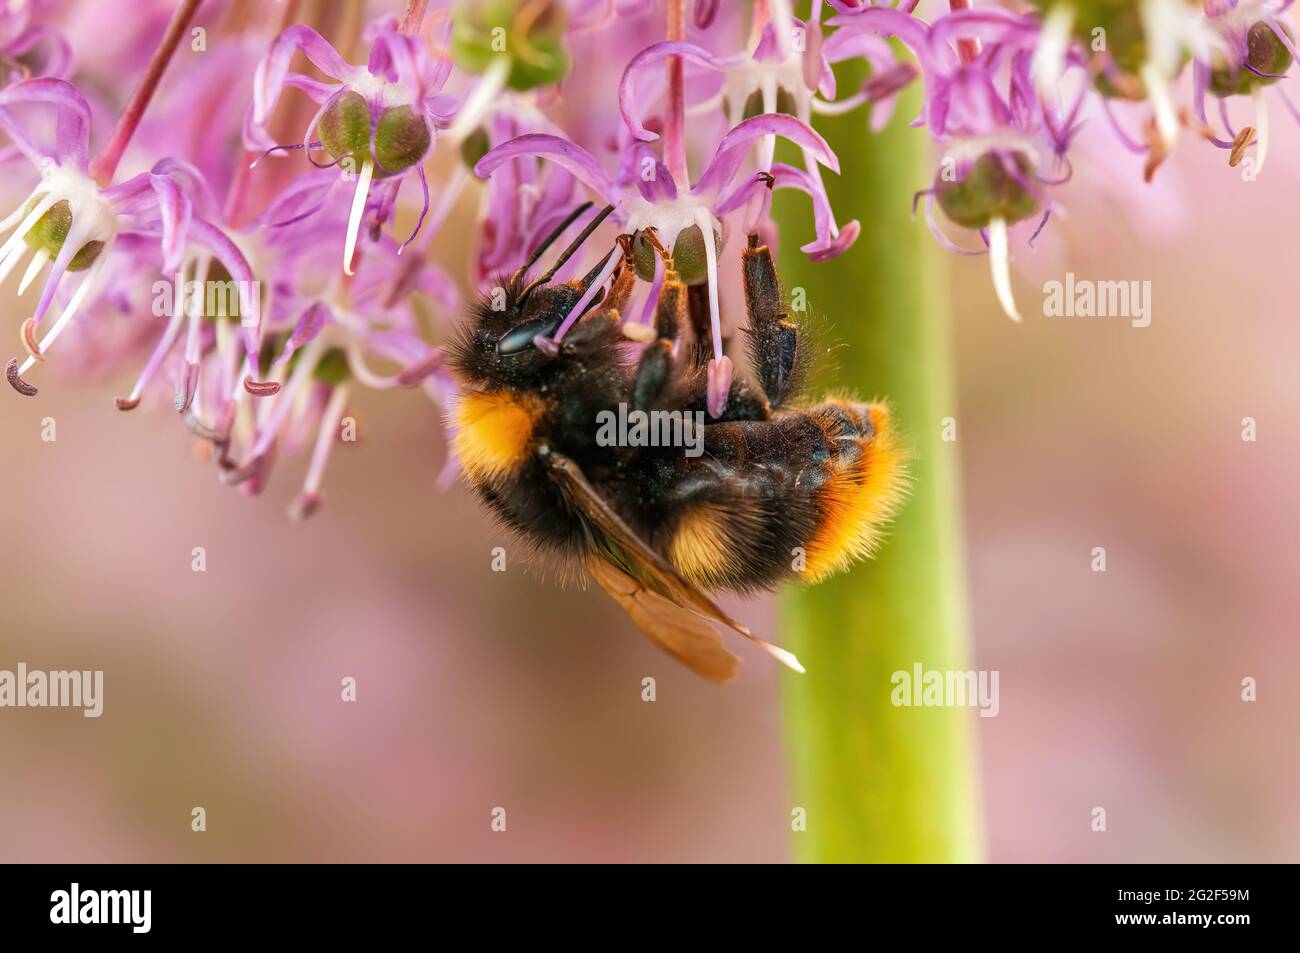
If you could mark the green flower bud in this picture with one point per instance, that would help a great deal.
(220, 295)
(332, 368)
(688, 256)
(345, 128)
(1112, 27)
(987, 192)
(529, 32)
(402, 136)
(51, 231)
(1264, 52)
(402, 139)
(785, 103)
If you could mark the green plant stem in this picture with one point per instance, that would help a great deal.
(879, 782)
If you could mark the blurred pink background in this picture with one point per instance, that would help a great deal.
(479, 690)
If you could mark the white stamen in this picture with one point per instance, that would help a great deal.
(77, 298)
(354, 219)
(39, 260)
(284, 401)
(705, 222)
(783, 27)
(32, 217)
(1261, 130)
(490, 85)
(1000, 262)
(195, 316)
(1049, 56)
(326, 438)
(10, 261)
(1162, 103)
(164, 347)
(767, 147)
(16, 216)
(840, 106)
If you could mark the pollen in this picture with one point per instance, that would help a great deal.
(494, 432)
(700, 547)
(858, 500)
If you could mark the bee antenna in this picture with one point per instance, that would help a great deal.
(550, 239)
(567, 253)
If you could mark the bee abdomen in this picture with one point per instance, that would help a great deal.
(803, 495)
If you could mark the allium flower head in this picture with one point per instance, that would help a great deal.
(71, 224)
(376, 122)
(792, 78)
(1253, 50)
(1001, 146)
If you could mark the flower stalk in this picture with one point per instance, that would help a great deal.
(879, 782)
(104, 166)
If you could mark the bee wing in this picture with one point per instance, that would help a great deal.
(679, 632)
(633, 555)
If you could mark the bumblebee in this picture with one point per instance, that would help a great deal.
(783, 488)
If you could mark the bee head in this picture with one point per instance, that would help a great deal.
(498, 345)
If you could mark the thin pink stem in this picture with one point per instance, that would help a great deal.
(675, 109)
(967, 49)
(414, 17)
(104, 167)
(241, 184)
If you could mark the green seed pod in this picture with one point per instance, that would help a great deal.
(785, 103)
(688, 256)
(1264, 52)
(1112, 27)
(402, 136)
(345, 128)
(220, 295)
(402, 139)
(529, 32)
(332, 368)
(987, 192)
(51, 231)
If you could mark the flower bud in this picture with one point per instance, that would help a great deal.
(785, 103)
(987, 192)
(689, 256)
(1264, 53)
(402, 136)
(529, 32)
(51, 231)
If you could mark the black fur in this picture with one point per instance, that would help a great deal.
(762, 469)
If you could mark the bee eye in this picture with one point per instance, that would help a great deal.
(520, 337)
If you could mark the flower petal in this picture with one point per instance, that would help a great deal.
(651, 55)
(736, 143)
(580, 163)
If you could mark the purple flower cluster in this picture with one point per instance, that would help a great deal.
(1006, 93)
(268, 257)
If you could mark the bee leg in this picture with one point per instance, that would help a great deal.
(620, 289)
(656, 364)
(773, 337)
